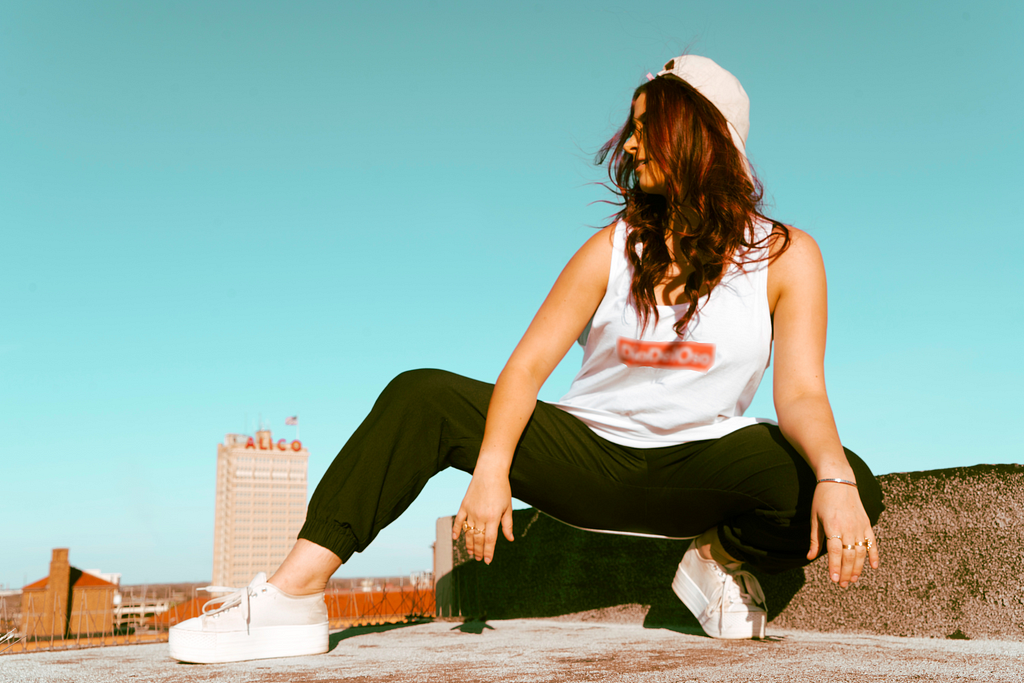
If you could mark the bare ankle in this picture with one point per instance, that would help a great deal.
(293, 588)
(306, 570)
(710, 548)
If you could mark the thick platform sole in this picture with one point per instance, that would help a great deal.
(210, 647)
(733, 626)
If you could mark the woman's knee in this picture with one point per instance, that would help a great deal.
(417, 385)
(791, 485)
(433, 392)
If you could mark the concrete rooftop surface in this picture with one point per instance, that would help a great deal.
(553, 650)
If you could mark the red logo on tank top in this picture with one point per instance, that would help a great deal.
(678, 354)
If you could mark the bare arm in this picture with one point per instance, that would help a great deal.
(559, 322)
(798, 297)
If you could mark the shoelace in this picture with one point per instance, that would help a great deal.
(238, 597)
(742, 588)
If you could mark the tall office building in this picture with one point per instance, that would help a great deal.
(261, 505)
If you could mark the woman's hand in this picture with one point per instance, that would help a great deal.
(488, 503)
(838, 521)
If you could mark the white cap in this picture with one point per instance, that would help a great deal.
(720, 87)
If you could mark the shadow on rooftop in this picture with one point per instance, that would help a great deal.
(353, 631)
(474, 625)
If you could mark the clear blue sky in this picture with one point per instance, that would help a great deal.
(212, 212)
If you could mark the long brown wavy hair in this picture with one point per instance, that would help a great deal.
(687, 137)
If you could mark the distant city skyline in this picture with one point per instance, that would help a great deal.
(220, 211)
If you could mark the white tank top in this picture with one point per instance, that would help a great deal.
(659, 389)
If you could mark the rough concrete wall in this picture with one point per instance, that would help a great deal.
(952, 564)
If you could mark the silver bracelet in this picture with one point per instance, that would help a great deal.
(840, 481)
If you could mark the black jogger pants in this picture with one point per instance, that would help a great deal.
(751, 484)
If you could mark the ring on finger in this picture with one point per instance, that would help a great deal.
(479, 531)
(831, 537)
(847, 546)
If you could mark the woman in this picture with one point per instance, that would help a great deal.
(678, 303)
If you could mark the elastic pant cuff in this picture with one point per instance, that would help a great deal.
(329, 534)
(769, 563)
(732, 548)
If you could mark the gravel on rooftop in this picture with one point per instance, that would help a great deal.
(530, 650)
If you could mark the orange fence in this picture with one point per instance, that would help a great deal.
(390, 605)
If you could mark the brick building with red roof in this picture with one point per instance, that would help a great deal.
(68, 602)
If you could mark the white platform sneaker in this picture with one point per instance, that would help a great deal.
(727, 601)
(255, 622)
